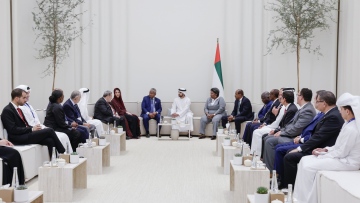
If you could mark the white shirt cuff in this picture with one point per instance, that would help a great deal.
(299, 149)
(302, 140)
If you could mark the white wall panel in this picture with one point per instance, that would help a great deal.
(5, 53)
(138, 44)
(349, 48)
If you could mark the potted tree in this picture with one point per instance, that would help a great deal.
(261, 195)
(74, 158)
(227, 141)
(237, 159)
(120, 129)
(21, 194)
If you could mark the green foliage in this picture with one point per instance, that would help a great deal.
(56, 27)
(237, 155)
(22, 187)
(227, 138)
(74, 153)
(119, 126)
(262, 190)
(297, 21)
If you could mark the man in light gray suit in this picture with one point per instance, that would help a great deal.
(301, 119)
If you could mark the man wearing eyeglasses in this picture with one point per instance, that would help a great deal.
(325, 134)
(294, 128)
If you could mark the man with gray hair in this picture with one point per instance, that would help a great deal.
(105, 113)
(73, 114)
(150, 109)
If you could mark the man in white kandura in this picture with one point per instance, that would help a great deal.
(180, 110)
(33, 119)
(343, 156)
(85, 94)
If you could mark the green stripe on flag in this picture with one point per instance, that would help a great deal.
(219, 72)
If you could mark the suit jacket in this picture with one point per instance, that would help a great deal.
(102, 110)
(73, 113)
(245, 109)
(55, 118)
(269, 116)
(217, 108)
(301, 119)
(146, 105)
(306, 133)
(290, 112)
(264, 110)
(14, 125)
(325, 132)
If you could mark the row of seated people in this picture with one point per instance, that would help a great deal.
(297, 133)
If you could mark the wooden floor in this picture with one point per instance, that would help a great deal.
(153, 170)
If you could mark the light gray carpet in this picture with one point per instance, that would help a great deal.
(155, 170)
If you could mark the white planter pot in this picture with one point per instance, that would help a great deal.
(227, 142)
(220, 131)
(120, 130)
(21, 195)
(237, 160)
(261, 198)
(102, 142)
(74, 159)
(173, 121)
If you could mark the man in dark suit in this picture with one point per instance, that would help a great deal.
(324, 134)
(301, 119)
(105, 113)
(287, 101)
(20, 132)
(11, 158)
(150, 109)
(269, 117)
(73, 113)
(242, 111)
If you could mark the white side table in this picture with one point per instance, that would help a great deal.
(169, 124)
(117, 143)
(227, 155)
(219, 140)
(58, 183)
(244, 180)
(97, 157)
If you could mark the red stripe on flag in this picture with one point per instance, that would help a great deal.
(217, 54)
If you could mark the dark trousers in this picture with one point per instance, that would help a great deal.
(146, 119)
(84, 133)
(74, 136)
(118, 121)
(237, 120)
(291, 161)
(45, 136)
(280, 152)
(11, 158)
(133, 125)
(248, 132)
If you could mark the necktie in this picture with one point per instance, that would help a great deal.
(77, 110)
(238, 112)
(152, 106)
(22, 116)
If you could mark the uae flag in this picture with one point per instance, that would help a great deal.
(217, 75)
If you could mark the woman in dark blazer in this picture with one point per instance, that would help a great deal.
(55, 119)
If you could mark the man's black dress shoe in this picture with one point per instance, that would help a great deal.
(202, 137)
(213, 137)
(147, 135)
